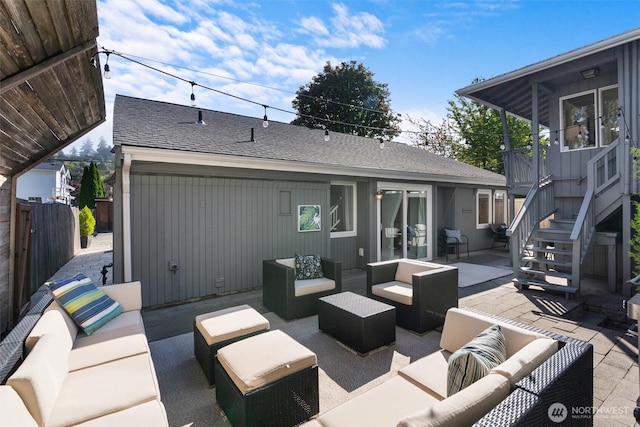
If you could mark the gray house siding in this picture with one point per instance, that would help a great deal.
(345, 249)
(217, 231)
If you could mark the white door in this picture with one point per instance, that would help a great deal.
(404, 222)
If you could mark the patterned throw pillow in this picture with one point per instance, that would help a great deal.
(87, 305)
(476, 359)
(308, 267)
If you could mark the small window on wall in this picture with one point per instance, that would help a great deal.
(499, 207)
(609, 129)
(578, 121)
(342, 212)
(483, 208)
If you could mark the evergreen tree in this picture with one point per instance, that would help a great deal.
(85, 198)
(91, 186)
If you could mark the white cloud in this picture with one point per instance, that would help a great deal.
(346, 29)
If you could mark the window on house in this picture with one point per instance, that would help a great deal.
(578, 120)
(343, 209)
(483, 208)
(589, 119)
(609, 129)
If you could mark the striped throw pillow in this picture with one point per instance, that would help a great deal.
(88, 306)
(476, 359)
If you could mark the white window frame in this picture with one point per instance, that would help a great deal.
(488, 193)
(354, 210)
(600, 111)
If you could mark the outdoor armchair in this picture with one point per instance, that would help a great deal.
(499, 232)
(421, 292)
(455, 239)
(293, 299)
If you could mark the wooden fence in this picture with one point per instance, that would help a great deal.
(55, 239)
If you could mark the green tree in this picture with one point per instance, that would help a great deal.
(91, 186)
(86, 151)
(433, 137)
(479, 132)
(343, 96)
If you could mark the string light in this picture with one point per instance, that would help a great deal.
(326, 135)
(265, 120)
(193, 95)
(107, 69)
(381, 143)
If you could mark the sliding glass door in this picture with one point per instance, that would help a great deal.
(404, 219)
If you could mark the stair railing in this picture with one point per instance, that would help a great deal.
(603, 170)
(582, 235)
(538, 205)
(518, 166)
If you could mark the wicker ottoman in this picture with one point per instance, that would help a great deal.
(212, 331)
(267, 380)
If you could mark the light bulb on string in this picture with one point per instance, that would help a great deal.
(265, 120)
(193, 95)
(326, 135)
(107, 69)
(556, 141)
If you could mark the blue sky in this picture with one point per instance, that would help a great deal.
(264, 51)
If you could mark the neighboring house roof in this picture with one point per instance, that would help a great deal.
(160, 125)
(512, 91)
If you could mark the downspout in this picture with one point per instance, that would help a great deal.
(126, 216)
(507, 146)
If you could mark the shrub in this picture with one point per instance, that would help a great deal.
(87, 222)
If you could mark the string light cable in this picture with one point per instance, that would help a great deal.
(326, 120)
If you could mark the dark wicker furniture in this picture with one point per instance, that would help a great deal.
(205, 353)
(566, 378)
(434, 292)
(361, 323)
(278, 292)
(287, 402)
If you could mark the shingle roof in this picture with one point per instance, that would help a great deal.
(160, 125)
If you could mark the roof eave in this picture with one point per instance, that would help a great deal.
(144, 154)
(573, 55)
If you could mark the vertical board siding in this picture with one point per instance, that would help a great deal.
(218, 231)
(345, 249)
(5, 226)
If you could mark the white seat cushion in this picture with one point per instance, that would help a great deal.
(463, 408)
(395, 291)
(230, 323)
(382, 406)
(14, 413)
(264, 358)
(151, 413)
(312, 286)
(524, 361)
(429, 373)
(103, 389)
(407, 268)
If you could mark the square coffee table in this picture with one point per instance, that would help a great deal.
(359, 322)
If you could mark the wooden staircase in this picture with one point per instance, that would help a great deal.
(551, 258)
(546, 262)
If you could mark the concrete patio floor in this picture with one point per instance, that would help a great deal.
(616, 374)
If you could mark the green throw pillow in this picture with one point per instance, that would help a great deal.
(476, 359)
(308, 267)
(88, 306)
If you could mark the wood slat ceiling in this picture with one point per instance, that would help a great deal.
(50, 95)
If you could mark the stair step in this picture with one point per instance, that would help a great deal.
(591, 319)
(536, 272)
(554, 239)
(547, 261)
(553, 231)
(552, 286)
(565, 224)
(551, 250)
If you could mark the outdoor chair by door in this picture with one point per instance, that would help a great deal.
(499, 232)
(453, 240)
